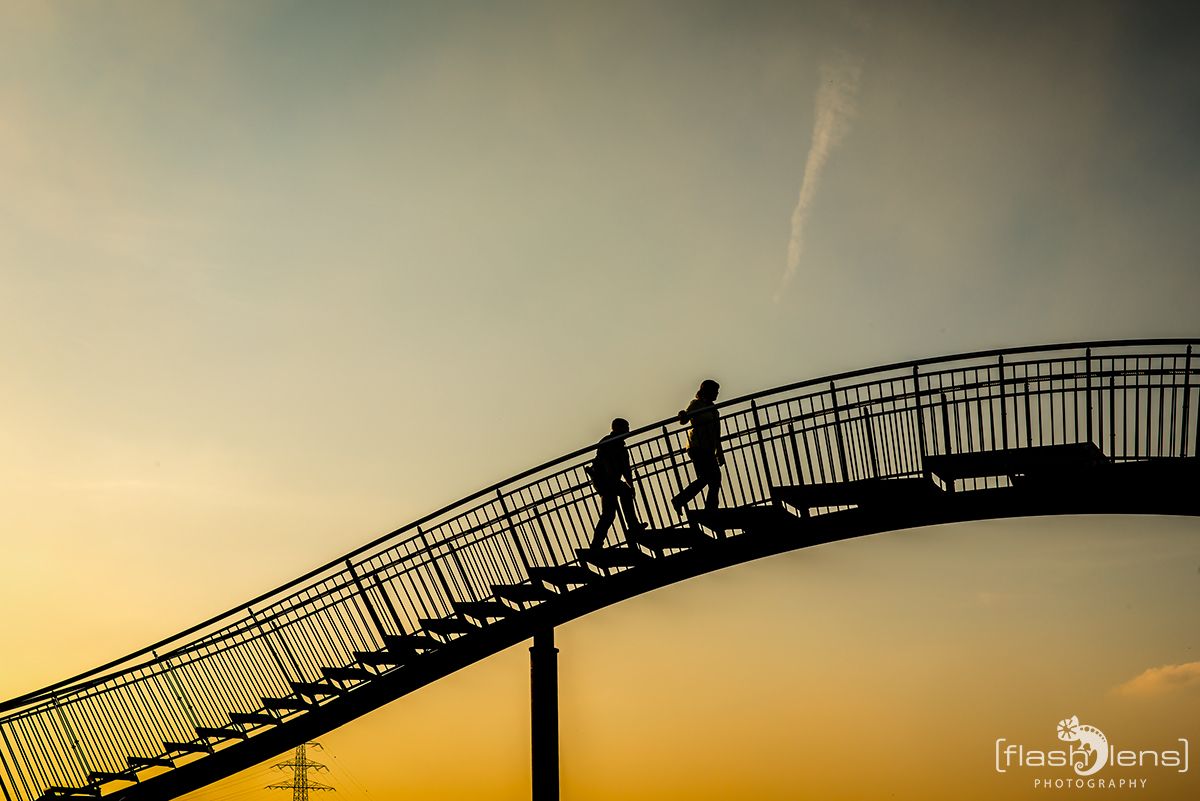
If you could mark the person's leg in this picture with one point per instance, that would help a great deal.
(608, 510)
(713, 470)
(628, 508)
(691, 490)
(708, 474)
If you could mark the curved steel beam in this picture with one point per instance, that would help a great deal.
(1102, 427)
(716, 555)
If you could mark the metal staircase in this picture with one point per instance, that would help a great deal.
(1063, 429)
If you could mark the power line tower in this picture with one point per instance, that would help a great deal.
(300, 765)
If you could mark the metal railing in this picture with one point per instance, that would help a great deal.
(1135, 400)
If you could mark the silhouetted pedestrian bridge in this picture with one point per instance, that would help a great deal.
(1106, 427)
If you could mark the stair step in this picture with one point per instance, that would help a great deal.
(659, 540)
(70, 792)
(252, 719)
(102, 776)
(1044, 460)
(484, 610)
(315, 689)
(563, 576)
(751, 519)
(188, 748)
(380, 658)
(406, 643)
(1165, 475)
(347, 674)
(622, 556)
(866, 492)
(287, 704)
(522, 593)
(138, 763)
(220, 733)
(448, 625)
(1166, 483)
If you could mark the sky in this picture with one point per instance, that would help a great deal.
(279, 277)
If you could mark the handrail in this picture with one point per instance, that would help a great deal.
(1133, 396)
(894, 366)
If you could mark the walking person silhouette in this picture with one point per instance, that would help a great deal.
(704, 447)
(612, 479)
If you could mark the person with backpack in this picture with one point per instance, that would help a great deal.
(612, 479)
(704, 447)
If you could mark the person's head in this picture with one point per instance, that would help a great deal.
(620, 426)
(708, 390)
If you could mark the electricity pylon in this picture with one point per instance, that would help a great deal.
(300, 765)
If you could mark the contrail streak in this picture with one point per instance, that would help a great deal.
(834, 108)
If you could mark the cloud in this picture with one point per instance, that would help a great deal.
(1158, 681)
(835, 106)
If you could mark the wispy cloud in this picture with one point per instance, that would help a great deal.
(835, 107)
(1158, 681)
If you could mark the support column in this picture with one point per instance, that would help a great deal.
(543, 696)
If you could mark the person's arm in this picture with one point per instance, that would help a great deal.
(626, 468)
(602, 464)
(685, 415)
(716, 424)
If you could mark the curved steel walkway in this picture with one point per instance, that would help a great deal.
(1104, 427)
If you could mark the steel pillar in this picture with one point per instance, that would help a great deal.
(543, 696)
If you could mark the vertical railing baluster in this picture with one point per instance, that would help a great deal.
(794, 474)
(387, 601)
(823, 449)
(454, 550)
(176, 689)
(837, 431)
(639, 492)
(512, 530)
(437, 569)
(71, 738)
(1088, 369)
(1028, 420)
(40, 758)
(7, 770)
(679, 482)
(1187, 396)
(362, 593)
(1162, 396)
(1003, 408)
(1137, 411)
(104, 723)
(287, 651)
(1196, 447)
(869, 422)
(1174, 371)
(4, 766)
(980, 394)
(946, 437)
(799, 468)
(264, 633)
(762, 449)
(542, 550)
(1112, 410)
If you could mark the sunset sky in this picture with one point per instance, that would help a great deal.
(279, 277)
